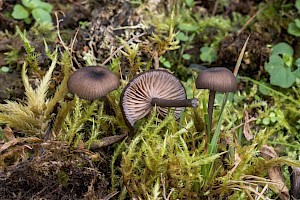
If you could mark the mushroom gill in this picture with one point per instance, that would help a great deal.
(136, 100)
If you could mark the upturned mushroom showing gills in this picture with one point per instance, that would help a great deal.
(92, 82)
(216, 79)
(154, 87)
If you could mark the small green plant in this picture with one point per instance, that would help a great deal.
(281, 65)
(36, 9)
(83, 24)
(165, 62)
(283, 119)
(294, 27)
(270, 119)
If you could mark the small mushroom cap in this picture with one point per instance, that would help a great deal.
(92, 82)
(137, 95)
(218, 79)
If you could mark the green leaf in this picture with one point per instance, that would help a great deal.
(275, 61)
(19, 12)
(297, 62)
(283, 48)
(37, 4)
(208, 54)
(266, 121)
(293, 29)
(186, 56)
(297, 72)
(283, 78)
(40, 15)
(182, 37)
(288, 60)
(263, 90)
(46, 6)
(280, 75)
(5, 69)
(28, 20)
(297, 22)
(188, 27)
(165, 62)
(27, 3)
(31, 3)
(189, 3)
(297, 5)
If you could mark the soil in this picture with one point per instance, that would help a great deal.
(54, 171)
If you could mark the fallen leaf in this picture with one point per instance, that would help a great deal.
(8, 133)
(275, 174)
(268, 152)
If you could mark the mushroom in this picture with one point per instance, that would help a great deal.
(216, 79)
(154, 87)
(92, 82)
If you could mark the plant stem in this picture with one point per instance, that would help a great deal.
(211, 107)
(175, 102)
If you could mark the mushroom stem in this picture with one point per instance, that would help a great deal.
(175, 102)
(295, 182)
(211, 101)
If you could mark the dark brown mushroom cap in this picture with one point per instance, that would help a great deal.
(138, 93)
(218, 79)
(92, 82)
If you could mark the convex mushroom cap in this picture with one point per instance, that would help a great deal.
(92, 82)
(137, 97)
(218, 79)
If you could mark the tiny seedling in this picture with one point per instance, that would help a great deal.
(36, 9)
(165, 62)
(280, 66)
(270, 119)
